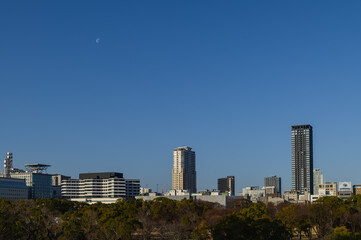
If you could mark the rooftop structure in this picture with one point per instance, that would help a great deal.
(36, 167)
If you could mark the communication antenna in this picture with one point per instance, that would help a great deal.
(8, 164)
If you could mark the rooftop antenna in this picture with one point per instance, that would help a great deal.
(8, 164)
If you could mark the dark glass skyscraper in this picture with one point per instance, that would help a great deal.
(302, 158)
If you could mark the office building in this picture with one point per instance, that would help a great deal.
(38, 182)
(302, 158)
(184, 169)
(226, 185)
(357, 189)
(13, 189)
(344, 190)
(104, 187)
(291, 196)
(273, 181)
(317, 179)
(253, 193)
(327, 189)
(56, 183)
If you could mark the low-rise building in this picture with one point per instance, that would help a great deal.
(104, 187)
(291, 196)
(253, 193)
(357, 189)
(13, 189)
(344, 190)
(327, 189)
(56, 183)
(38, 183)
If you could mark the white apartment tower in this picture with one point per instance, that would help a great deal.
(317, 179)
(184, 169)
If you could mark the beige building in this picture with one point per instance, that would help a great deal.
(291, 196)
(327, 189)
(184, 169)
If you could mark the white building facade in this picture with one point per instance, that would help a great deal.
(100, 186)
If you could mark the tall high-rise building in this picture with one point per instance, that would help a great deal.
(226, 185)
(302, 158)
(273, 181)
(184, 169)
(317, 179)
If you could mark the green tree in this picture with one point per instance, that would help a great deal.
(326, 213)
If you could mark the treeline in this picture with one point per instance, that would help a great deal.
(162, 218)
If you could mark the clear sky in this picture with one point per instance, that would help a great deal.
(116, 85)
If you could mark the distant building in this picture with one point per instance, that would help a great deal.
(302, 158)
(270, 190)
(253, 193)
(226, 185)
(36, 179)
(56, 183)
(144, 191)
(184, 169)
(291, 196)
(13, 189)
(317, 179)
(327, 189)
(273, 181)
(357, 189)
(344, 190)
(105, 187)
(222, 200)
(132, 187)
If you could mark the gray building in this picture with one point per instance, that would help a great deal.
(226, 185)
(184, 169)
(302, 158)
(275, 182)
(317, 179)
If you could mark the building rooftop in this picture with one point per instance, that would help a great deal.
(100, 175)
(36, 167)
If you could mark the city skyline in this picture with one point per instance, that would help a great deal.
(91, 87)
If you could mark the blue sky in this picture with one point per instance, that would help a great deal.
(225, 78)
